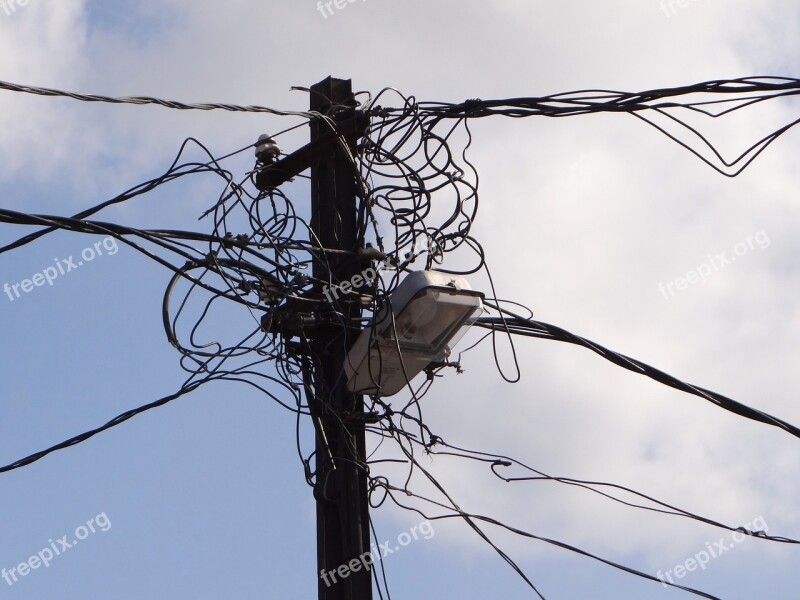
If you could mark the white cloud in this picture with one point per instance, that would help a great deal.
(581, 219)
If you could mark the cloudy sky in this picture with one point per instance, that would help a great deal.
(587, 220)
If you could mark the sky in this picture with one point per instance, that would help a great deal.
(591, 221)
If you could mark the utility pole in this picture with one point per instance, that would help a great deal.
(343, 530)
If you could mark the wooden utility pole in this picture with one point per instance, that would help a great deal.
(343, 532)
(344, 570)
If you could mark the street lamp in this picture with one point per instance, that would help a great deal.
(424, 318)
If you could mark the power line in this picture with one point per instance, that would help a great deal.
(417, 200)
(143, 100)
(528, 327)
(118, 420)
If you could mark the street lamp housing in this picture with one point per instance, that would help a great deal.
(424, 318)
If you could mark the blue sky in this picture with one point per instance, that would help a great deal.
(581, 218)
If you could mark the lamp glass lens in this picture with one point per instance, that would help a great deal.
(431, 319)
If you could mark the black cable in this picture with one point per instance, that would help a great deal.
(518, 325)
(118, 420)
(418, 197)
(42, 91)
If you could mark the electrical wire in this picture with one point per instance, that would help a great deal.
(417, 202)
(143, 100)
(518, 325)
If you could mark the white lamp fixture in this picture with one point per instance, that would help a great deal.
(426, 316)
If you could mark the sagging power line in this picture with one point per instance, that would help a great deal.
(389, 185)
